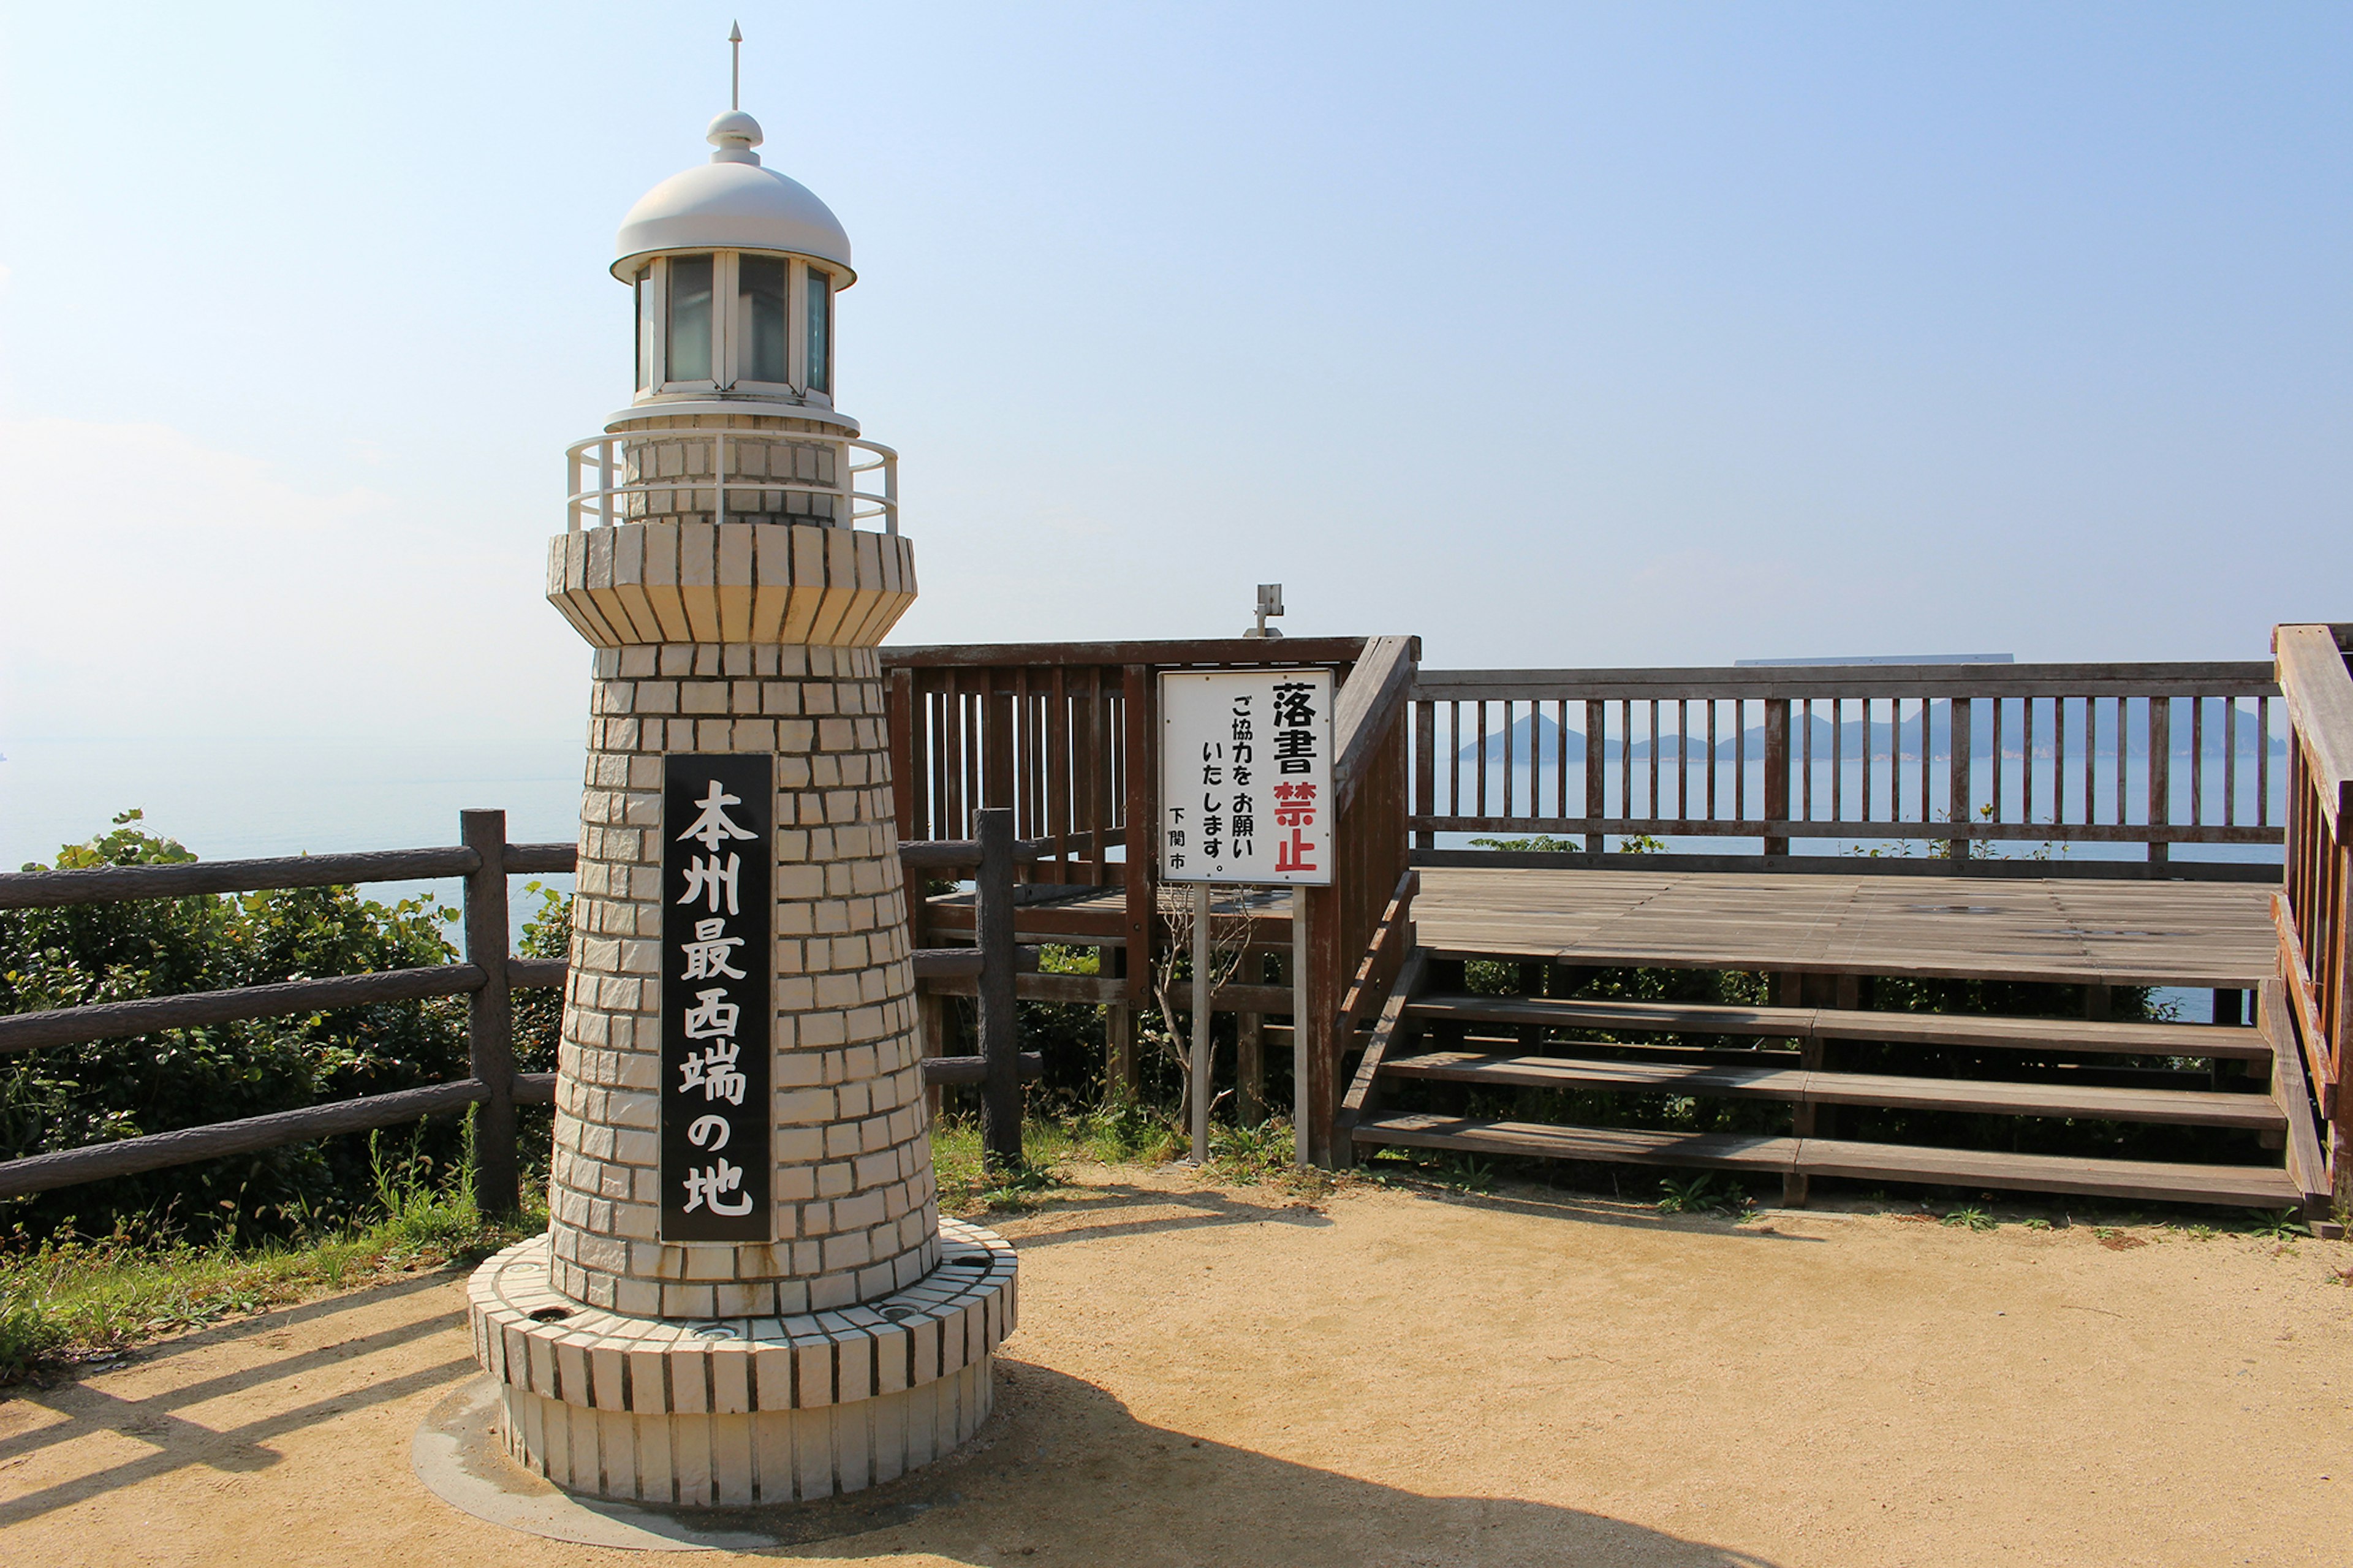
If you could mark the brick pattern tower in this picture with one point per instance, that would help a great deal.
(843, 1331)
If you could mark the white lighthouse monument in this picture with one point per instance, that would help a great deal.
(746, 1294)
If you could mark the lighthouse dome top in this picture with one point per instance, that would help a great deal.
(732, 203)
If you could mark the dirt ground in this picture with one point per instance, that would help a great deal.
(1215, 1375)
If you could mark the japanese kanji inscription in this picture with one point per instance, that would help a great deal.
(717, 816)
(1246, 776)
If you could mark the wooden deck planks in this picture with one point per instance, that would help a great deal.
(2203, 934)
(2057, 929)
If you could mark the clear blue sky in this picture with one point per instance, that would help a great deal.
(1561, 335)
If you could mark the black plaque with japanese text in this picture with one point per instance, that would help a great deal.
(717, 848)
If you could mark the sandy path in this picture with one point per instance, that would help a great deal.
(1209, 1376)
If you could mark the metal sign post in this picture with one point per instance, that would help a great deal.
(1299, 1027)
(1200, 1074)
(1246, 799)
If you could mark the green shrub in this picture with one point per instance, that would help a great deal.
(64, 1097)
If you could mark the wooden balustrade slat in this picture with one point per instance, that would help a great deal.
(1396, 925)
(2321, 1050)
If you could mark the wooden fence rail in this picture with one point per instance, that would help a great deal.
(486, 976)
(2310, 913)
(1959, 755)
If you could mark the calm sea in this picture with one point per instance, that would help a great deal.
(235, 799)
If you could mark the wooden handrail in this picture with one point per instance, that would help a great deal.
(193, 878)
(2313, 913)
(1244, 651)
(1367, 704)
(1760, 683)
(2319, 691)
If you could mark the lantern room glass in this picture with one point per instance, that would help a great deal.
(689, 318)
(764, 286)
(649, 304)
(820, 331)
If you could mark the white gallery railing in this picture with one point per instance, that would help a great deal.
(604, 459)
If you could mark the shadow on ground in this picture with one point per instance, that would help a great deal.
(171, 1441)
(1065, 1473)
(1062, 1473)
(1114, 1209)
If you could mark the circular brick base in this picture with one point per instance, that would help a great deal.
(734, 1411)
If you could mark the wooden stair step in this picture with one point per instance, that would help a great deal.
(2204, 1040)
(1632, 1146)
(2193, 1108)
(1744, 1082)
(2245, 1186)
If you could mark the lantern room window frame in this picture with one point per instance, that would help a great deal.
(731, 328)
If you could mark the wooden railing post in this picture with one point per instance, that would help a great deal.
(1596, 778)
(1141, 819)
(1000, 1017)
(489, 1014)
(2160, 770)
(902, 718)
(1425, 769)
(1958, 785)
(1777, 767)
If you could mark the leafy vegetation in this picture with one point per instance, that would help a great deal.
(1704, 1194)
(62, 1097)
(2284, 1226)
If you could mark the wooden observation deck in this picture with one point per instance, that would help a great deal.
(2075, 828)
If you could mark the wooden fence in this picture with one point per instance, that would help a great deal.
(486, 976)
(2310, 913)
(1959, 755)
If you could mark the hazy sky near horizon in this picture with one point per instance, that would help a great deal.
(1560, 335)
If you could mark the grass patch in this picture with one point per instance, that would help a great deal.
(71, 1298)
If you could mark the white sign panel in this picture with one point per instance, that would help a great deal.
(1246, 776)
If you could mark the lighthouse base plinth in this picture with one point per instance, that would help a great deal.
(737, 1411)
